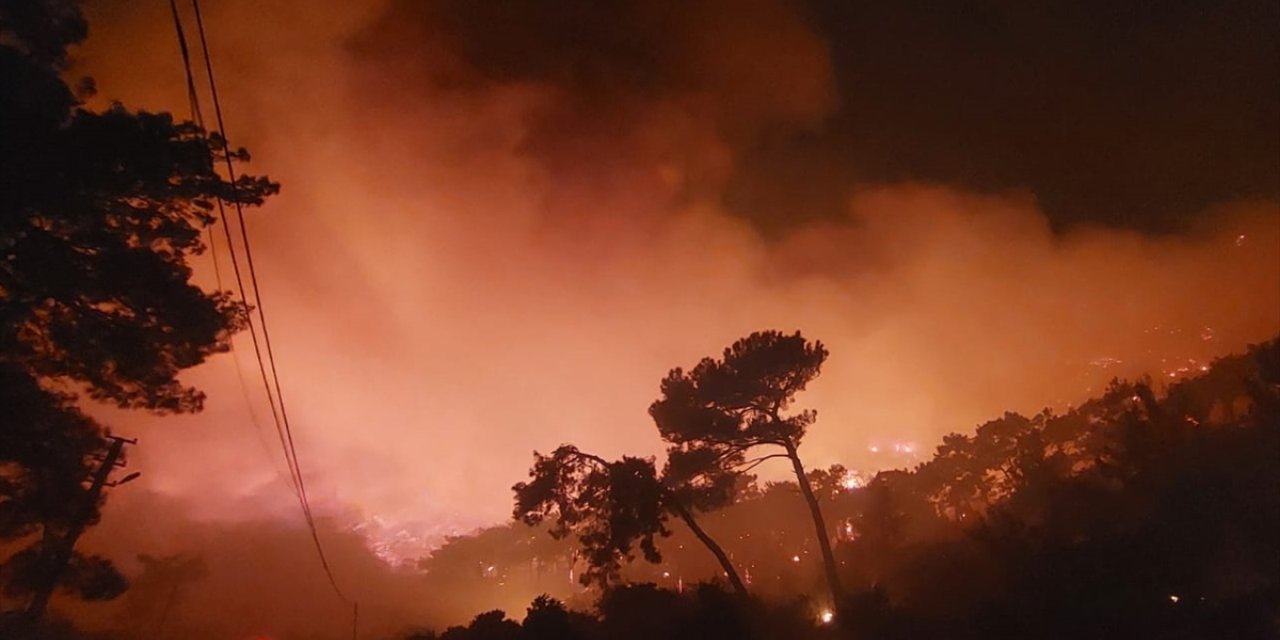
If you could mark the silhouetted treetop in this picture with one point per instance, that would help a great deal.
(741, 395)
(614, 506)
(611, 507)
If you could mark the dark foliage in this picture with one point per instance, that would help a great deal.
(716, 414)
(737, 401)
(610, 507)
(1141, 513)
(1131, 516)
(645, 612)
(99, 214)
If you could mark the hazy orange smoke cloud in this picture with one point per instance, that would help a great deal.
(468, 263)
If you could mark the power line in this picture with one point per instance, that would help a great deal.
(257, 296)
(231, 247)
(258, 431)
(193, 97)
(291, 451)
(278, 401)
(197, 116)
(284, 429)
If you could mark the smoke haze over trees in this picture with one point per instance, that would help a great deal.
(1136, 514)
(502, 225)
(553, 256)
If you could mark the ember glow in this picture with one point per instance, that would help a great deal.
(854, 480)
(468, 263)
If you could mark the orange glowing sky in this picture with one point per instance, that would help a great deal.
(462, 268)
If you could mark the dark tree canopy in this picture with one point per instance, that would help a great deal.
(714, 414)
(548, 619)
(98, 216)
(100, 213)
(612, 508)
(44, 445)
(737, 401)
(700, 481)
(1144, 512)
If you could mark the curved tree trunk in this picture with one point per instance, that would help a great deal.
(711, 544)
(824, 539)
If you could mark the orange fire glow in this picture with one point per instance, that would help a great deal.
(446, 299)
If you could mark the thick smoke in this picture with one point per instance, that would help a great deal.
(498, 231)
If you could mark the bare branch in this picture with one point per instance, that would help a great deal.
(755, 462)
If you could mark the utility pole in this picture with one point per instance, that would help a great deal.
(58, 553)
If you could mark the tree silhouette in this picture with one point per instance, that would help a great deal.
(99, 214)
(612, 508)
(718, 412)
(548, 619)
(1144, 512)
(490, 625)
